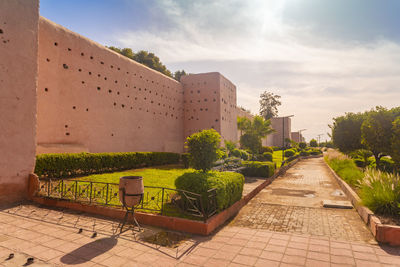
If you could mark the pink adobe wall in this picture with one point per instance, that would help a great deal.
(93, 99)
(275, 139)
(206, 104)
(228, 109)
(18, 79)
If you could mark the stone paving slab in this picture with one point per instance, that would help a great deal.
(58, 244)
(294, 203)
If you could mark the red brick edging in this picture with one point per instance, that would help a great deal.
(384, 233)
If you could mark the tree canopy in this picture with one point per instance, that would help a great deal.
(150, 60)
(253, 131)
(269, 103)
(346, 131)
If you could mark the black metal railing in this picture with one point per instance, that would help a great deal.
(166, 201)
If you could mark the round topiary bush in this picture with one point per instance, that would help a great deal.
(302, 145)
(244, 155)
(266, 149)
(267, 156)
(289, 153)
(229, 186)
(304, 153)
(236, 153)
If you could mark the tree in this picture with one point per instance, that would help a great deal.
(346, 131)
(178, 74)
(269, 103)
(204, 149)
(313, 143)
(376, 132)
(146, 58)
(230, 146)
(252, 131)
(395, 152)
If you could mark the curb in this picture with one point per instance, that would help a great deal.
(383, 233)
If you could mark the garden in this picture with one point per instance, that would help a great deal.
(196, 185)
(368, 158)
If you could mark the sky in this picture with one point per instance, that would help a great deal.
(324, 58)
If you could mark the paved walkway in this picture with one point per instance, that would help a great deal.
(293, 203)
(53, 237)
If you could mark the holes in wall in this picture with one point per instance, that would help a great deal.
(65, 66)
(55, 44)
(98, 88)
(105, 78)
(98, 75)
(117, 93)
(115, 104)
(46, 89)
(87, 109)
(48, 59)
(79, 70)
(66, 126)
(74, 107)
(122, 105)
(116, 81)
(82, 54)
(69, 49)
(110, 91)
(91, 57)
(112, 134)
(101, 62)
(90, 73)
(205, 99)
(83, 82)
(112, 66)
(67, 134)
(1, 31)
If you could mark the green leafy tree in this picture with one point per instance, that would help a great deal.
(204, 149)
(252, 131)
(230, 146)
(376, 132)
(269, 103)
(302, 145)
(146, 58)
(395, 153)
(313, 143)
(346, 131)
(178, 74)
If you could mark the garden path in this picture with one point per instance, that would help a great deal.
(293, 203)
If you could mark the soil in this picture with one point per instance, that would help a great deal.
(166, 239)
(389, 219)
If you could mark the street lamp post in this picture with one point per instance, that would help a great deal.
(283, 135)
(319, 138)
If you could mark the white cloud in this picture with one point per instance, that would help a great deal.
(250, 44)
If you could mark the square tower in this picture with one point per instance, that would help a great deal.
(209, 103)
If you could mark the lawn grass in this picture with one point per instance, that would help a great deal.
(162, 176)
(277, 157)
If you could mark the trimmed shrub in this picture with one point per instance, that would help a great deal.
(302, 145)
(244, 155)
(222, 154)
(258, 168)
(266, 149)
(315, 151)
(276, 148)
(77, 164)
(229, 186)
(185, 157)
(380, 192)
(313, 143)
(289, 153)
(236, 153)
(267, 156)
(304, 153)
(203, 148)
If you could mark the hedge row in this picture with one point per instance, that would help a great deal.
(258, 168)
(75, 164)
(229, 186)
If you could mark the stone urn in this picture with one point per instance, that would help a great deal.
(132, 188)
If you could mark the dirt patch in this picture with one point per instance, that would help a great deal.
(389, 220)
(292, 192)
(166, 239)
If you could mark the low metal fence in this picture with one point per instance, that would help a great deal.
(165, 201)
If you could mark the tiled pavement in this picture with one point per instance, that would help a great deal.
(57, 242)
(52, 236)
(293, 203)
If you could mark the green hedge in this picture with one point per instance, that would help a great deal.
(258, 168)
(75, 164)
(346, 169)
(229, 185)
(289, 153)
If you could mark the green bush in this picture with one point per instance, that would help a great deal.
(304, 153)
(236, 153)
(360, 162)
(222, 154)
(244, 155)
(267, 156)
(315, 151)
(203, 148)
(258, 169)
(185, 157)
(380, 192)
(346, 169)
(77, 164)
(302, 145)
(229, 186)
(289, 153)
(387, 164)
(313, 143)
(266, 149)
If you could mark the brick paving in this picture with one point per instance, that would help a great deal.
(293, 203)
(52, 237)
